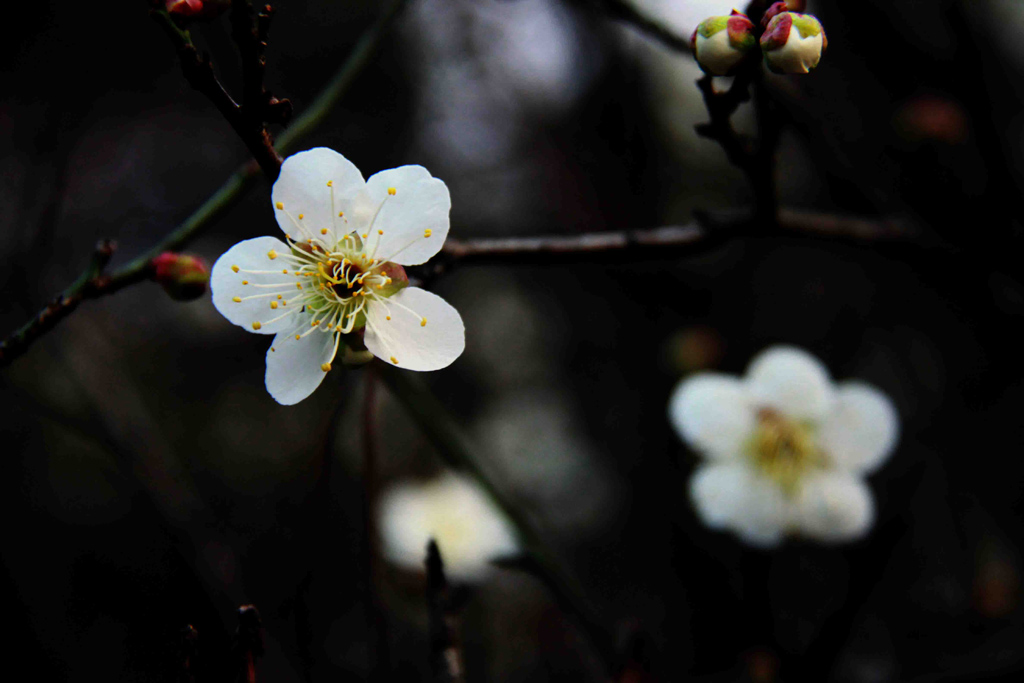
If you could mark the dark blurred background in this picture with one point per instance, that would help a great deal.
(151, 482)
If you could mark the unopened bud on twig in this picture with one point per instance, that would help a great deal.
(182, 276)
(196, 9)
(792, 43)
(722, 44)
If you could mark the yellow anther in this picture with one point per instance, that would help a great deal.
(271, 254)
(272, 349)
(323, 231)
(301, 216)
(380, 232)
(365, 235)
(284, 272)
(392, 191)
(256, 325)
(380, 286)
(394, 360)
(280, 296)
(423, 323)
(298, 337)
(273, 304)
(387, 317)
(237, 299)
(315, 323)
(428, 232)
(298, 285)
(340, 214)
(245, 282)
(330, 183)
(279, 206)
(284, 303)
(326, 367)
(234, 268)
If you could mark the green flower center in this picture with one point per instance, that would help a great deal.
(783, 450)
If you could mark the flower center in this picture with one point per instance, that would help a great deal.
(783, 449)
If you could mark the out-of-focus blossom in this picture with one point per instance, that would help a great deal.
(793, 43)
(455, 512)
(786, 449)
(722, 44)
(932, 118)
(184, 277)
(341, 272)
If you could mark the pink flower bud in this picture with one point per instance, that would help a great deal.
(183, 277)
(723, 44)
(196, 9)
(793, 43)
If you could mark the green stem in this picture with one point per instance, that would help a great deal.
(457, 451)
(92, 284)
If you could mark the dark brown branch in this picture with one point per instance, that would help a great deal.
(445, 653)
(657, 243)
(248, 120)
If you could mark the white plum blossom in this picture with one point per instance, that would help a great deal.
(339, 271)
(786, 450)
(469, 530)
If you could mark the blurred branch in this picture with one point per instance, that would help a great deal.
(91, 286)
(625, 11)
(438, 426)
(248, 119)
(445, 655)
(377, 643)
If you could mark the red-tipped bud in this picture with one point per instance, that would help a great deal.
(183, 277)
(187, 10)
(722, 45)
(775, 10)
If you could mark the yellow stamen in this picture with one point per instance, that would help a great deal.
(428, 232)
(273, 304)
(256, 325)
(237, 299)
(279, 206)
(234, 268)
(271, 254)
(394, 360)
(392, 191)
(326, 367)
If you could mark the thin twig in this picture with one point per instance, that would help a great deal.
(377, 643)
(445, 653)
(626, 12)
(657, 243)
(225, 198)
(246, 121)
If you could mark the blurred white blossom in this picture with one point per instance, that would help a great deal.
(787, 450)
(453, 510)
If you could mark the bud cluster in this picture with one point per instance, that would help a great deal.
(791, 42)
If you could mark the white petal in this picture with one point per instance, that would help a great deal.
(262, 288)
(414, 219)
(791, 381)
(408, 343)
(834, 506)
(733, 496)
(861, 430)
(454, 511)
(712, 413)
(294, 365)
(302, 189)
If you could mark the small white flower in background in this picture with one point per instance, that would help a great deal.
(470, 531)
(341, 271)
(722, 44)
(793, 43)
(787, 450)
